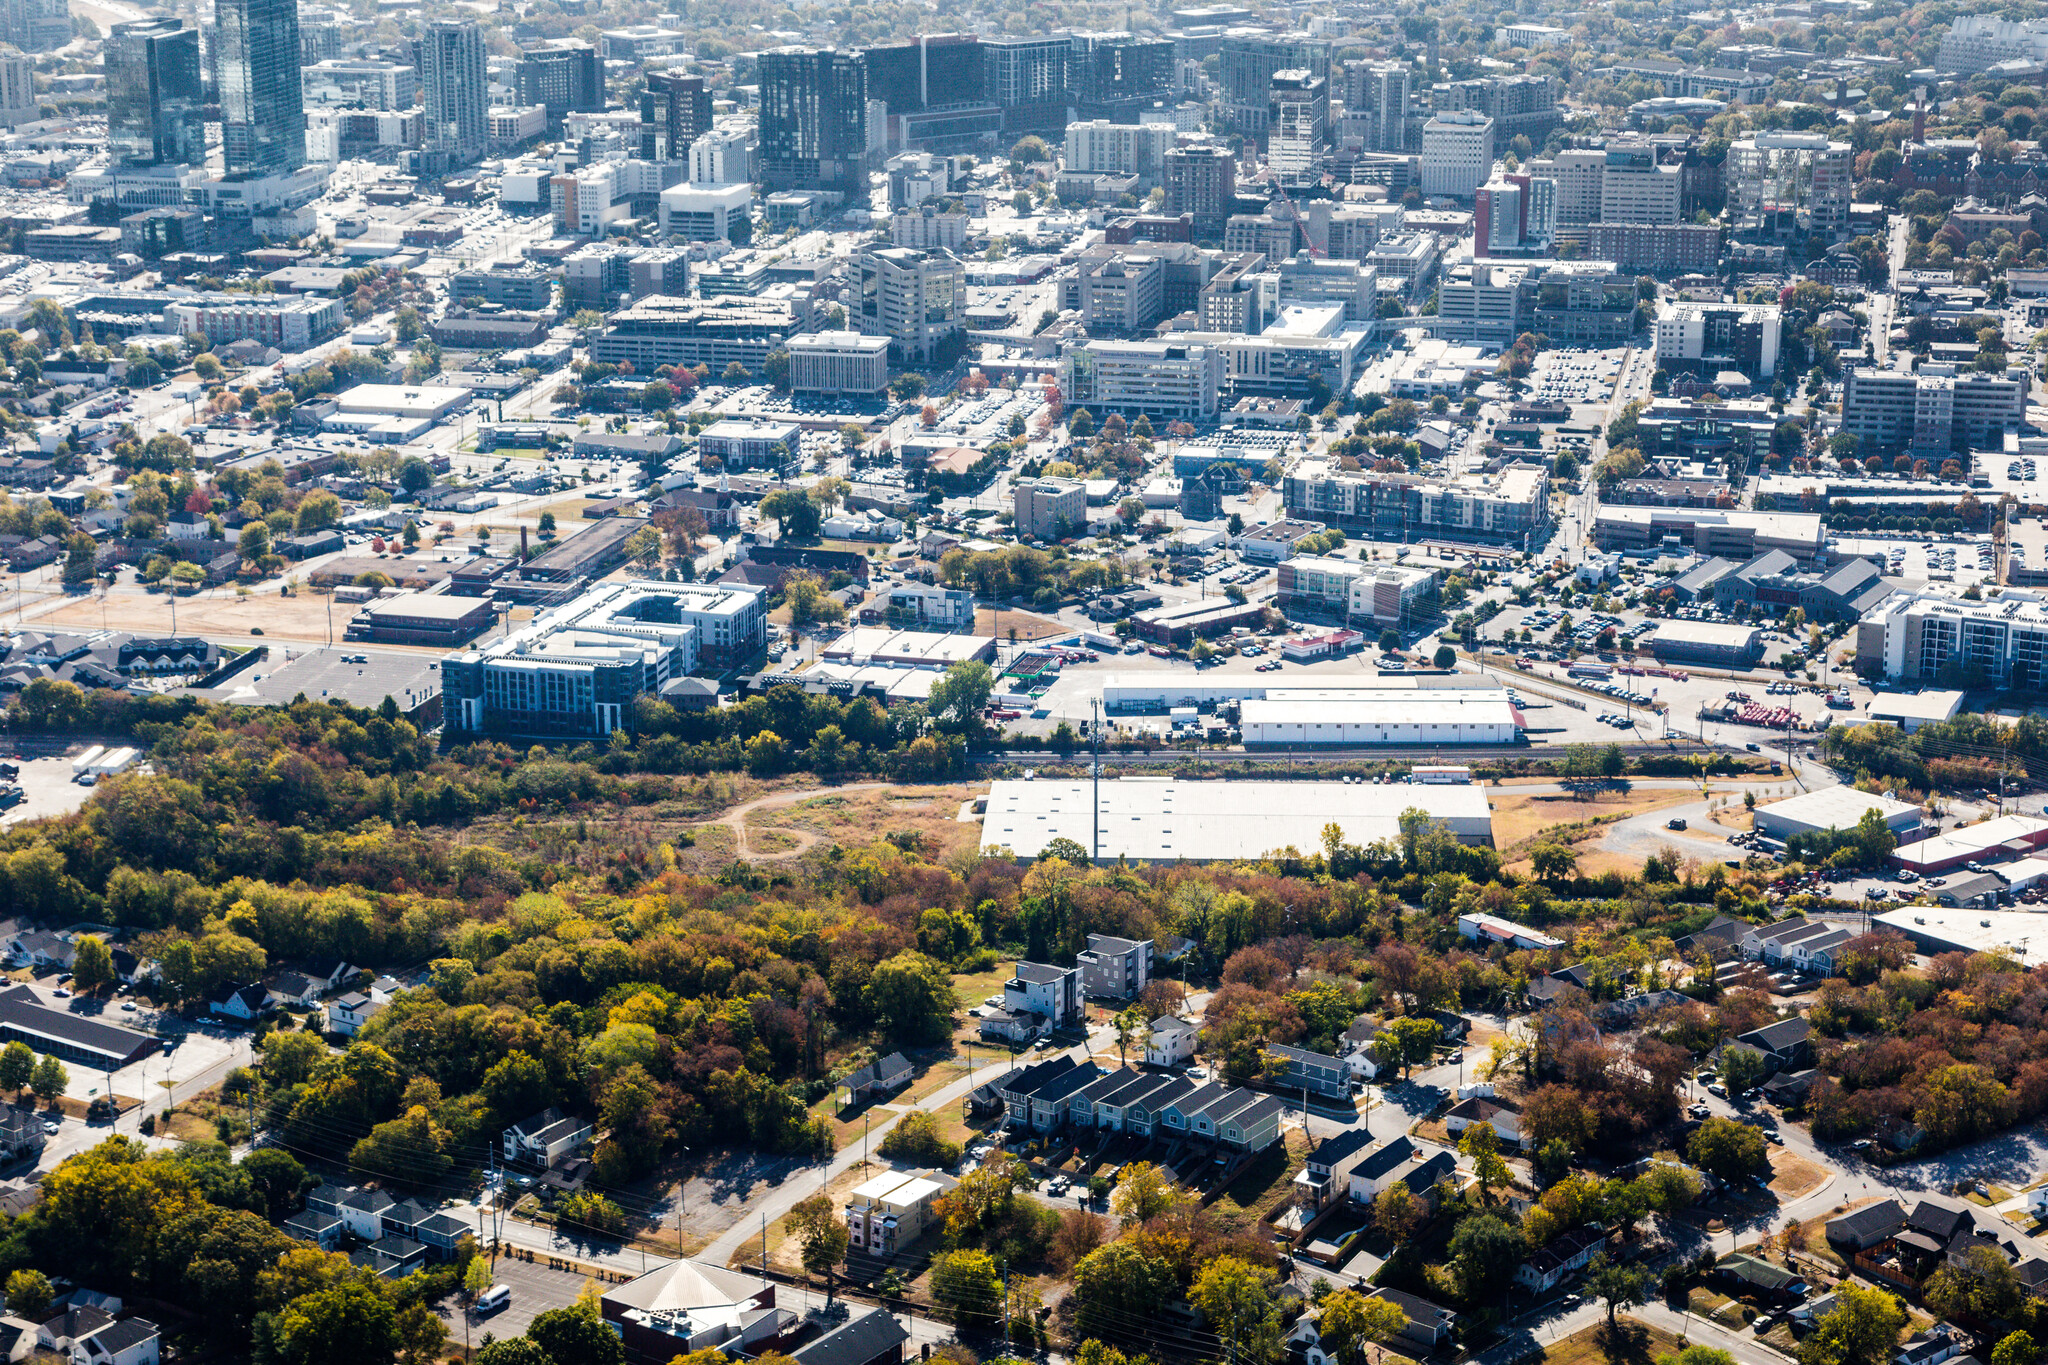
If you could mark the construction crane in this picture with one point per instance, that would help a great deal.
(1299, 221)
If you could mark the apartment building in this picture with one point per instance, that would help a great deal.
(888, 1213)
(1457, 152)
(1099, 147)
(1510, 506)
(1054, 992)
(1115, 968)
(1938, 409)
(1928, 638)
(1706, 338)
(1634, 188)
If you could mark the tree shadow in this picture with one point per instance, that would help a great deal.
(1624, 1342)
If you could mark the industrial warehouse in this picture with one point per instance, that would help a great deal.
(1165, 820)
(1468, 715)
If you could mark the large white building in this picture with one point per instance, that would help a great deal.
(1431, 716)
(1171, 380)
(1580, 174)
(838, 362)
(1978, 42)
(1937, 409)
(1715, 336)
(1634, 188)
(915, 298)
(1171, 821)
(926, 227)
(290, 322)
(704, 213)
(723, 156)
(1457, 152)
(1100, 147)
(1929, 638)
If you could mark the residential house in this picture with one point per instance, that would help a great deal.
(245, 1002)
(1559, 1259)
(1401, 1161)
(1808, 945)
(1356, 1046)
(1015, 1027)
(391, 1258)
(1115, 968)
(545, 1138)
(334, 971)
(1016, 1091)
(1171, 1042)
(1429, 1326)
(1054, 992)
(17, 1340)
(1628, 1014)
(348, 1013)
(1939, 1342)
(884, 1077)
(1789, 1089)
(1454, 1026)
(891, 1211)
(1720, 940)
(41, 950)
(361, 1211)
(1326, 1174)
(1478, 1109)
(442, 1234)
(1785, 1046)
(323, 1230)
(294, 988)
(1759, 1276)
(870, 1336)
(1316, 1071)
(21, 1133)
(128, 1341)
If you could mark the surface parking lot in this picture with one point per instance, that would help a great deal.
(536, 1288)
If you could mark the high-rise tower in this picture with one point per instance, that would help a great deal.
(153, 94)
(262, 108)
(457, 88)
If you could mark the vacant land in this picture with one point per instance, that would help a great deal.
(214, 612)
(1792, 1176)
(1001, 622)
(1629, 1343)
(1519, 817)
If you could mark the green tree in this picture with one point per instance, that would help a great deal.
(1480, 1142)
(1553, 862)
(50, 1079)
(92, 965)
(344, 1324)
(1348, 1321)
(1390, 641)
(1484, 1253)
(2015, 1348)
(17, 1066)
(911, 998)
(1119, 1284)
(1730, 1150)
(29, 1294)
(1237, 1298)
(1142, 1191)
(289, 1058)
(820, 1233)
(276, 1179)
(1445, 657)
(1407, 1042)
(960, 695)
(1861, 1329)
(577, 1335)
(968, 1287)
(512, 1351)
(1742, 1069)
(1618, 1284)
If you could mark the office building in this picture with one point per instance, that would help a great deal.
(1200, 181)
(1457, 153)
(1049, 508)
(704, 213)
(1118, 76)
(814, 121)
(1708, 338)
(362, 83)
(1580, 175)
(1634, 188)
(606, 275)
(1377, 94)
(839, 363)
(663, 330)
(153, 94)
(1100, 147)
(1250, 57)
(1937, 410)
(576, 670)
(36, 25)
(721, 157)
(675, 110)
(1170, 381)
(1026, 78)
(1300, 127)
(262, 105)
(457, 89)
(915, 298)
(564, 76)
(1783, 186)
(1305, 280)
(1524, 105)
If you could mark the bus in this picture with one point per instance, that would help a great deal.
(1591, 670)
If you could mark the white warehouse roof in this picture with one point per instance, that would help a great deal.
(1832, 808)
(1152, 820)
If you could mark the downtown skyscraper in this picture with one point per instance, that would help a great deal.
(153, 94)
(262, 108)
(814, 121)
(457, 87)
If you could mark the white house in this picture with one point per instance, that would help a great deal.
(348, 1013)
(1172, 1042)
(294, 988)
(1478, 1109)
(130, 1341)
(1558, 1259)
(545, 1138)
(244, 1002)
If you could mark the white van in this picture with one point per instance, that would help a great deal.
(498, 1296)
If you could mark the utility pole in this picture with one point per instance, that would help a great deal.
(1095, 791)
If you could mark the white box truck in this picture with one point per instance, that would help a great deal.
(83, 763)
(114, 761)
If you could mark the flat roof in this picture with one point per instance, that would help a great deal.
(427, 606)
(1960, 929)
(922, 646)
(1407, 708)
(1917, 705)
(325, 675)
(1838, 807)
(1971, 840)
(1163, 820)
(23, 1012)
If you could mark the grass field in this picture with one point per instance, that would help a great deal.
(1263, 1185)
(1522, 816)
(1630, 1343)
(1793, 1176)
(864, 816)
(1028, 625)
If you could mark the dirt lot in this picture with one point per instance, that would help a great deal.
(214, 612)
(862, 816)
(1518, 817)
(1792, 1176)
(989, 621)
